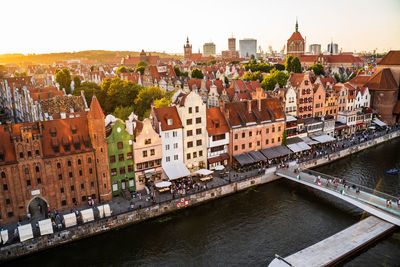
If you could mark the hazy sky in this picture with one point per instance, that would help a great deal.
(162, 25)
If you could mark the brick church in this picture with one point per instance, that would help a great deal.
(58, 163)
(296, 43)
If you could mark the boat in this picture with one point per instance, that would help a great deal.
(391, 171)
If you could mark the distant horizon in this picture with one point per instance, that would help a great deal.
(160, 26)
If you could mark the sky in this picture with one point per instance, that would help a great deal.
(45, 26)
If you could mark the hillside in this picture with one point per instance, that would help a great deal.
(89, 56)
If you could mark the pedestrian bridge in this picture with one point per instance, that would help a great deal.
(367, 199)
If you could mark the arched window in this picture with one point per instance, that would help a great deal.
(37, 168)
(58, 165)
(69, 163)
(89, 160)
(3, 175)
(26, 171)
(79, 162)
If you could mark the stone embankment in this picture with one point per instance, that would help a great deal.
(106, 224)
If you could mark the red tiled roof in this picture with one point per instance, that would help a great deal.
(296, 36)
(95, 110)
(391, 58)
(7, 149)
(197, 82)
(164, 114)
(253, 85)
(383, 80)
(244, 96)
(327, 80)
(216, 118)
(217, 83)
(359, 80)
(296, 78)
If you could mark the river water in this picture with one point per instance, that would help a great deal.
(245, 229)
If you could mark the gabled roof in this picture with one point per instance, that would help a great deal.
(383, 80)
(216, 122)
(95, 110)
(217, 83)
(164, 114)
(197, 82)
(296, 36)
(324, 81)
(359, 80)
(296, 78)
(391, 58)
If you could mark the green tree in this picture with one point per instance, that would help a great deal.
(17, 74)
(140, 69)
(144, 99)
(226, 80)
(284, 138)
(177, 71)
(211, 62)
(63, 78)
(275, 77)
(279, 66)
(318, 69)
(297, 65)
(162, 102)
(142, 64)
(253, 76)
(123, 112)
(289, 63)
(197, 74)
(123, 69)
(89, 89)
(77, 81)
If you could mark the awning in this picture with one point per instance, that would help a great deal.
(101, 211)
(46, 227)
(294, 140)
(243, 159)
(149, 171)
(323, 138)
(298, 147)
(163, 184)
(360, 123)
(290, 118)
(257, 156)
(176, 171)
(219, 158)
(275, 152)
(107, 210)
(69, 219)
(219, 167)
(204, 172)
(379, 122)
(4, 236)
(309, 141)
(25, 232)
(87, 215)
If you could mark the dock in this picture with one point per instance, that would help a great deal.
(339, 246)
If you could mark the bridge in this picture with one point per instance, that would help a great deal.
(367, 199)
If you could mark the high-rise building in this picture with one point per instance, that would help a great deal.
(187, 48)
(296, 43)
(232, 44)
(209, 49)
(248, 47)
(315, 49)
(333, 49)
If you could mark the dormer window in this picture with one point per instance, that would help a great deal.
(147, 141)
(169, 122)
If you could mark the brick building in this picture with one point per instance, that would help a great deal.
(57, 164)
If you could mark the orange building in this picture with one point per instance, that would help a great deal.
(319, 100)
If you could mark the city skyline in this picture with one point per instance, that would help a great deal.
(135, 26)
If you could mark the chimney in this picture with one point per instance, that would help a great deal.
(249, 105)
(259, 104)
(63, 115)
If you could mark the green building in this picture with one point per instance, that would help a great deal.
(120, 153)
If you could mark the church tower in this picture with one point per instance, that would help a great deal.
(97, 134)
(187, 49)
(296, 44)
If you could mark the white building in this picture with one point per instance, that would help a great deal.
(248, 47)
(363, 98)
(348, 117)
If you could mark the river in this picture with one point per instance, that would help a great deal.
(245, 229)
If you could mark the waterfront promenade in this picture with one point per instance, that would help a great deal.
(222, 184)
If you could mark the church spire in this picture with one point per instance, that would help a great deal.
(297, 26)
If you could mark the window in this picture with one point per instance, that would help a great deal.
(69, 163)
(8, 201)
(29, 154)
(10, 214)
(5, 187)
(21, 155)
(198, 131)
(273, 129)
(72, 188)
(198, 142)
(58, 166)
(122, 170)
(166, 135)
(194, 155)
(188, 156)
(82, 186)
(121, 157)
(37, 168)
(130, 168)
(26, 171)
(120, 145)
(91, 184)
(62, 190)
(168, 159)
(63, 203)
(3, 175)
(279, 139)
(250, 134)
(243, 135)
(174, 133)
(267, 131)
(90, 170)
(198, 120)
(197, 109)
(28, 182)
(144, 153)
(236, 136)
(147, 141)
(243, 146)
(250, 145)
(70, 174)
(236, 148)
(80, 172)
(80, 162)
(279, 128)
(189, 122)
(175, 145)
(189, 133)
(258, 143)
(60, 177)
(129, 155)
(266, 141)
(152, 152)
(83, 198)
(272, 140)
(113, 172)
(89, 160)
(166, 147)
(200, 153)
(176, 157)
(39, 181)
(190, 144)
(112, 159)
(190, 109)
(37, 152)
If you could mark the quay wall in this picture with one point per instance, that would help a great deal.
(121, 220)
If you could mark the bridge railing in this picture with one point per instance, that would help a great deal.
(353, 186)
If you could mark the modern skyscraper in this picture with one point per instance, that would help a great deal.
(209, 49)
(232, 44)
(333, 49)
(248, 47)
(315, 49)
